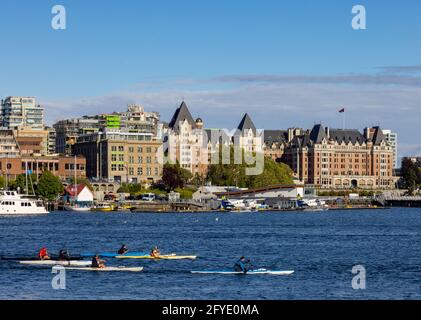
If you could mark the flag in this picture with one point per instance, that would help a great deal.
(342, 110)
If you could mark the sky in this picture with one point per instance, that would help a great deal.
(286, 63)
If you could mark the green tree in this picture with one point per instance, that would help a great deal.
(2, 182)
(411, 175)
(19, 184)
(132, 188)
(49, 186)
(235, 174)
(173, 177)
(273, 173)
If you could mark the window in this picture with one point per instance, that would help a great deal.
(139, 171)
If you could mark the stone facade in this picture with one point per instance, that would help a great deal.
(342, 158)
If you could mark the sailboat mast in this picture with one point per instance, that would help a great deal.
(75, 184)
(26, 177)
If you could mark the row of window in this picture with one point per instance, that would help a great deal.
(131, 171)
(12, 203)
(132, 149)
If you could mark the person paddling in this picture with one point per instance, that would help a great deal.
(63, 255)
(97, 262)
(43, 254)
(123, 249)
(242, 265)
(155, 252)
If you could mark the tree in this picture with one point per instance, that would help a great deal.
(49, 186)
(273, 173)
(235, 174)
(19, 184)
(411, 175)
(2, 182)
(132, 188)
(173, 177)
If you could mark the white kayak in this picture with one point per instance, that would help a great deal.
(251, 272)
(69, 263)
(107, 269)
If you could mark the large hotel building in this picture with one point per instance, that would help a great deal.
(335, 158)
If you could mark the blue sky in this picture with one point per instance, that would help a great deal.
(287, 63)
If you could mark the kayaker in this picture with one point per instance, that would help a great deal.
(63, 255)
(155, 252)
(97, 262)
(123, 249)
(43, 254)
(242, 265)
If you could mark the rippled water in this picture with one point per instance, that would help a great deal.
(321, 247)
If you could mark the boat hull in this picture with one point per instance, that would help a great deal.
(70, 263)
(106, 269)
(251, 272)
(77, 209)
(111, 254)
(161, 257)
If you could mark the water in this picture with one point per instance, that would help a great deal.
(321, 247)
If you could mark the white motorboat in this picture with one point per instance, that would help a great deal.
(12, 203)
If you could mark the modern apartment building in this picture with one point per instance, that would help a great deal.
(19, 112)
(51, 142)
(135, 119)
(392, 140)
(67, 132)
(9, 147)
(121, 156)
(32, 141)
(342, 158)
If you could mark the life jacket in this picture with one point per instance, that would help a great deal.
(43, 253)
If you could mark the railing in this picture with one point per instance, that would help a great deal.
(401, 198)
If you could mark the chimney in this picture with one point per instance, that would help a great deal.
(327, 131)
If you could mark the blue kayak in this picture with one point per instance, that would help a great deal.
(112, 254)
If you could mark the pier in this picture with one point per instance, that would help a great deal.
(399, 201)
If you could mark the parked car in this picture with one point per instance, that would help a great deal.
(148, 197)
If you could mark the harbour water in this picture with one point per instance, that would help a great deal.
(322, 248)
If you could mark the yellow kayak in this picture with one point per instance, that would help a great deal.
(161, 257)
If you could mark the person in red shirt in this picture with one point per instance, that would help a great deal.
(43, 254)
